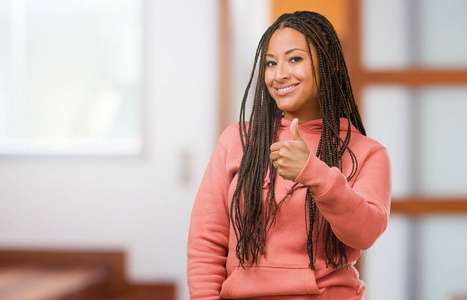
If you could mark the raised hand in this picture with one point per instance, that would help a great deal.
(290, 157)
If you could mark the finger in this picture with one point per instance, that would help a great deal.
(276, 146)
(274, 155)
(294, 130)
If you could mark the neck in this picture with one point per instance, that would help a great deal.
(303, 118)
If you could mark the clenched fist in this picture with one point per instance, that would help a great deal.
(290, 157)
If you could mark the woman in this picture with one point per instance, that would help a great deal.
(291, 198)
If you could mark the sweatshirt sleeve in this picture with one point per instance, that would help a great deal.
(358, 215)
(209, 231)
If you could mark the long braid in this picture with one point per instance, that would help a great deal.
(251, 217)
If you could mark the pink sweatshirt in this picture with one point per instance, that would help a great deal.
(357, 210)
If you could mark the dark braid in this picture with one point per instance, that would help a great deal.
(252, 220)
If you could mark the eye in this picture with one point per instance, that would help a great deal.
(270, 63)
(295, 59)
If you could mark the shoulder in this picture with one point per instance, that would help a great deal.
(230, 130)
(371, 156)
(231, 136)
(364, 145)
(359, 143)
(230, 143)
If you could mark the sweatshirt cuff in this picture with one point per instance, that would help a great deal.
(316, 175)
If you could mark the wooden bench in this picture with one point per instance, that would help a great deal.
(72, 275)
(34, 282)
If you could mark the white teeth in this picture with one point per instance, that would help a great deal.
(287, 88)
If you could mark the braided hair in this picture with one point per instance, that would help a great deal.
(251, 217)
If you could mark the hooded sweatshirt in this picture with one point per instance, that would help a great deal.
(357, 211)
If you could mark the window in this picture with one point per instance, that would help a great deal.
(70, 77)
(412, 78)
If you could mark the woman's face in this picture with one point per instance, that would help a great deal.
(289, 75)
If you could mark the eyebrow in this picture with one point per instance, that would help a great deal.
(288, 51)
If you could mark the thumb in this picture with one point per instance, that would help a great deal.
(294, 130)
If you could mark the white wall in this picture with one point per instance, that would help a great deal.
(249, 19)
(138, 204)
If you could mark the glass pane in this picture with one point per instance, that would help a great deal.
(442, 140)
(400, 34)
(386, 116)
(73, 77)
(384, 34)
(442, 259)
(418, 259)
(386, 268)
(442, 33)
(425, 132)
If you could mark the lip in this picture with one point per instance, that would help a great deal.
(284, 90)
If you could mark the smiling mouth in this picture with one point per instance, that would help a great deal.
(286, 90)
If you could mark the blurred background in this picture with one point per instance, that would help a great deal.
(110, 110)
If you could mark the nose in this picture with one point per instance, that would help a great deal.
(282, 72)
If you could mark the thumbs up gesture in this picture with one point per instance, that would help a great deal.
(290, 157)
